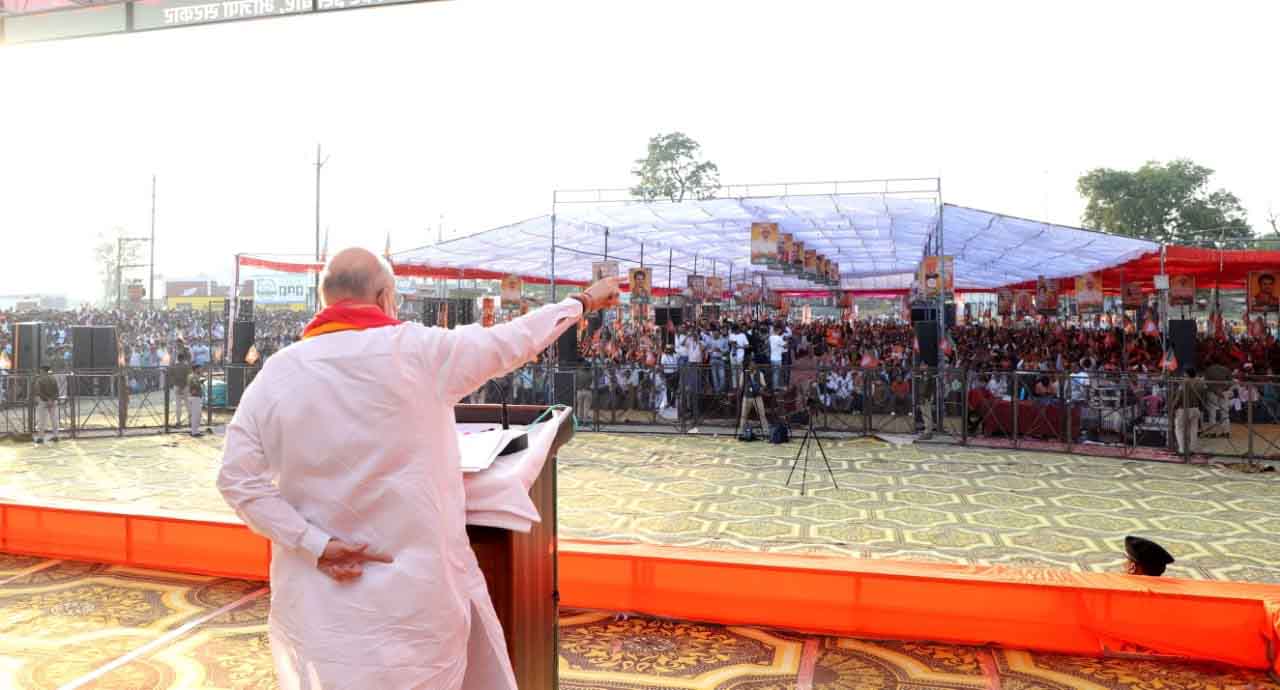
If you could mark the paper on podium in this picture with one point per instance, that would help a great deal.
(480, 448)
(498, 496)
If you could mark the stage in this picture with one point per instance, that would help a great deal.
(71, 624)
(903, 502)
(919, 542)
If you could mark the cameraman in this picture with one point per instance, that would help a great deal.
(753, 386)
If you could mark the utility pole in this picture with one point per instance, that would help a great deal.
(319, 165)
(120, 265)
(151, 285)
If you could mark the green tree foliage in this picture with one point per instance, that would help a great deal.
(673, 171)
(1169, 202)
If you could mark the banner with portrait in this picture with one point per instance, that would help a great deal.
(824, 270)
(640, 282)
(764, 244)
(936, 273)
(1088, 293)
(1182, 290)
(715, 289)
(697, 288)
(1023, 302)
(786, 251)
(1131, 296)
(603, 269)
(442, 314)
(810, 263)
(488, 309)
(1004, 302)
(1046, 295)
(512, 286)
(835, 273)
(1262, 292)
(905, 309)
(797, 258)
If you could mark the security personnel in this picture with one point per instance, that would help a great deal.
(195, 395)
(180, 381)
(46, 393)
(1145, 557)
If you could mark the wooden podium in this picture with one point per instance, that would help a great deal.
(520, 569)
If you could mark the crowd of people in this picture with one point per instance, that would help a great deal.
(149, 339)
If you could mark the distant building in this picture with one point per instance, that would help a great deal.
(33, 302)
(195, 294)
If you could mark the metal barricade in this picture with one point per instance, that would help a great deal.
(890, 406)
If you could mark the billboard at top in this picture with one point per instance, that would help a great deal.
(25, 21)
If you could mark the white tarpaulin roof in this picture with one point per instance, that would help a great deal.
(877, 240)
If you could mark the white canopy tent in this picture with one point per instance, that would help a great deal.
(878, 239)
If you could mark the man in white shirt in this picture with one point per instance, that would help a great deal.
(343, 453)
(776, 347)
(738, 344)
(718, 345)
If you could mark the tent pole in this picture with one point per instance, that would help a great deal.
(669, 278)
(942, 289)
(606, 244)
(552, 299)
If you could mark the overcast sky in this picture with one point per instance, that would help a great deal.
(477, 110)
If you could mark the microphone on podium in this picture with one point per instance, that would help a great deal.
(518, 443)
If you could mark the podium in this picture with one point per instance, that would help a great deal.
(520, 569)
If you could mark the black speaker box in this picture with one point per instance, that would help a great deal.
(662, 315)
(81, 347)
(927, 336)
(106, 348)
(242, 340)
(563, 388)
(567, 347)
(930, 313)
(28, 346)
(238, 379)
(1182, 333)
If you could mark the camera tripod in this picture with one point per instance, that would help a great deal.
(810, 440)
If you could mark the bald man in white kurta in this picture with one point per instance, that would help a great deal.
(350, 436)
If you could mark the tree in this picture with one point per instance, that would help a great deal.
(1170, 203)
(107, 254)
(673, 171)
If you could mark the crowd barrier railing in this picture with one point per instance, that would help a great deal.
(1119, 413)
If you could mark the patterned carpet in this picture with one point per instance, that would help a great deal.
(929, 502)
(114, 628)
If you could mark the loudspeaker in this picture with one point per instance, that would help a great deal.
(1182, 332)
(246, 310)
(661, 315)
(927, 336)
(238, 379)
(106, 348)
(81, 347)
(567, 346)
(563, 388)
(930, 313)
(28, 346)
(242, 340)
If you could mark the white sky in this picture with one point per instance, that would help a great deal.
(479, 109)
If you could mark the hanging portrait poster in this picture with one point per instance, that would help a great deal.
(715, 289)
(697, 288)
(1023, 302)
(934, 275)
(512, 286)
(603, 269)
(488, 307)
(1046, 295)
(640, 282)
(1131, 295)
(786, 251)
(810, 263)
(1262, 292)
(1089, 293)
(797, 258)
(1004, 302)
(764, 243)
(1182, 290)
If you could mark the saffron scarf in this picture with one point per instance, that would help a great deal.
(347, 316)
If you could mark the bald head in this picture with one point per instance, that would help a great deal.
(355, 274)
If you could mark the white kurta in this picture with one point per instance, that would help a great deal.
(351, 435)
